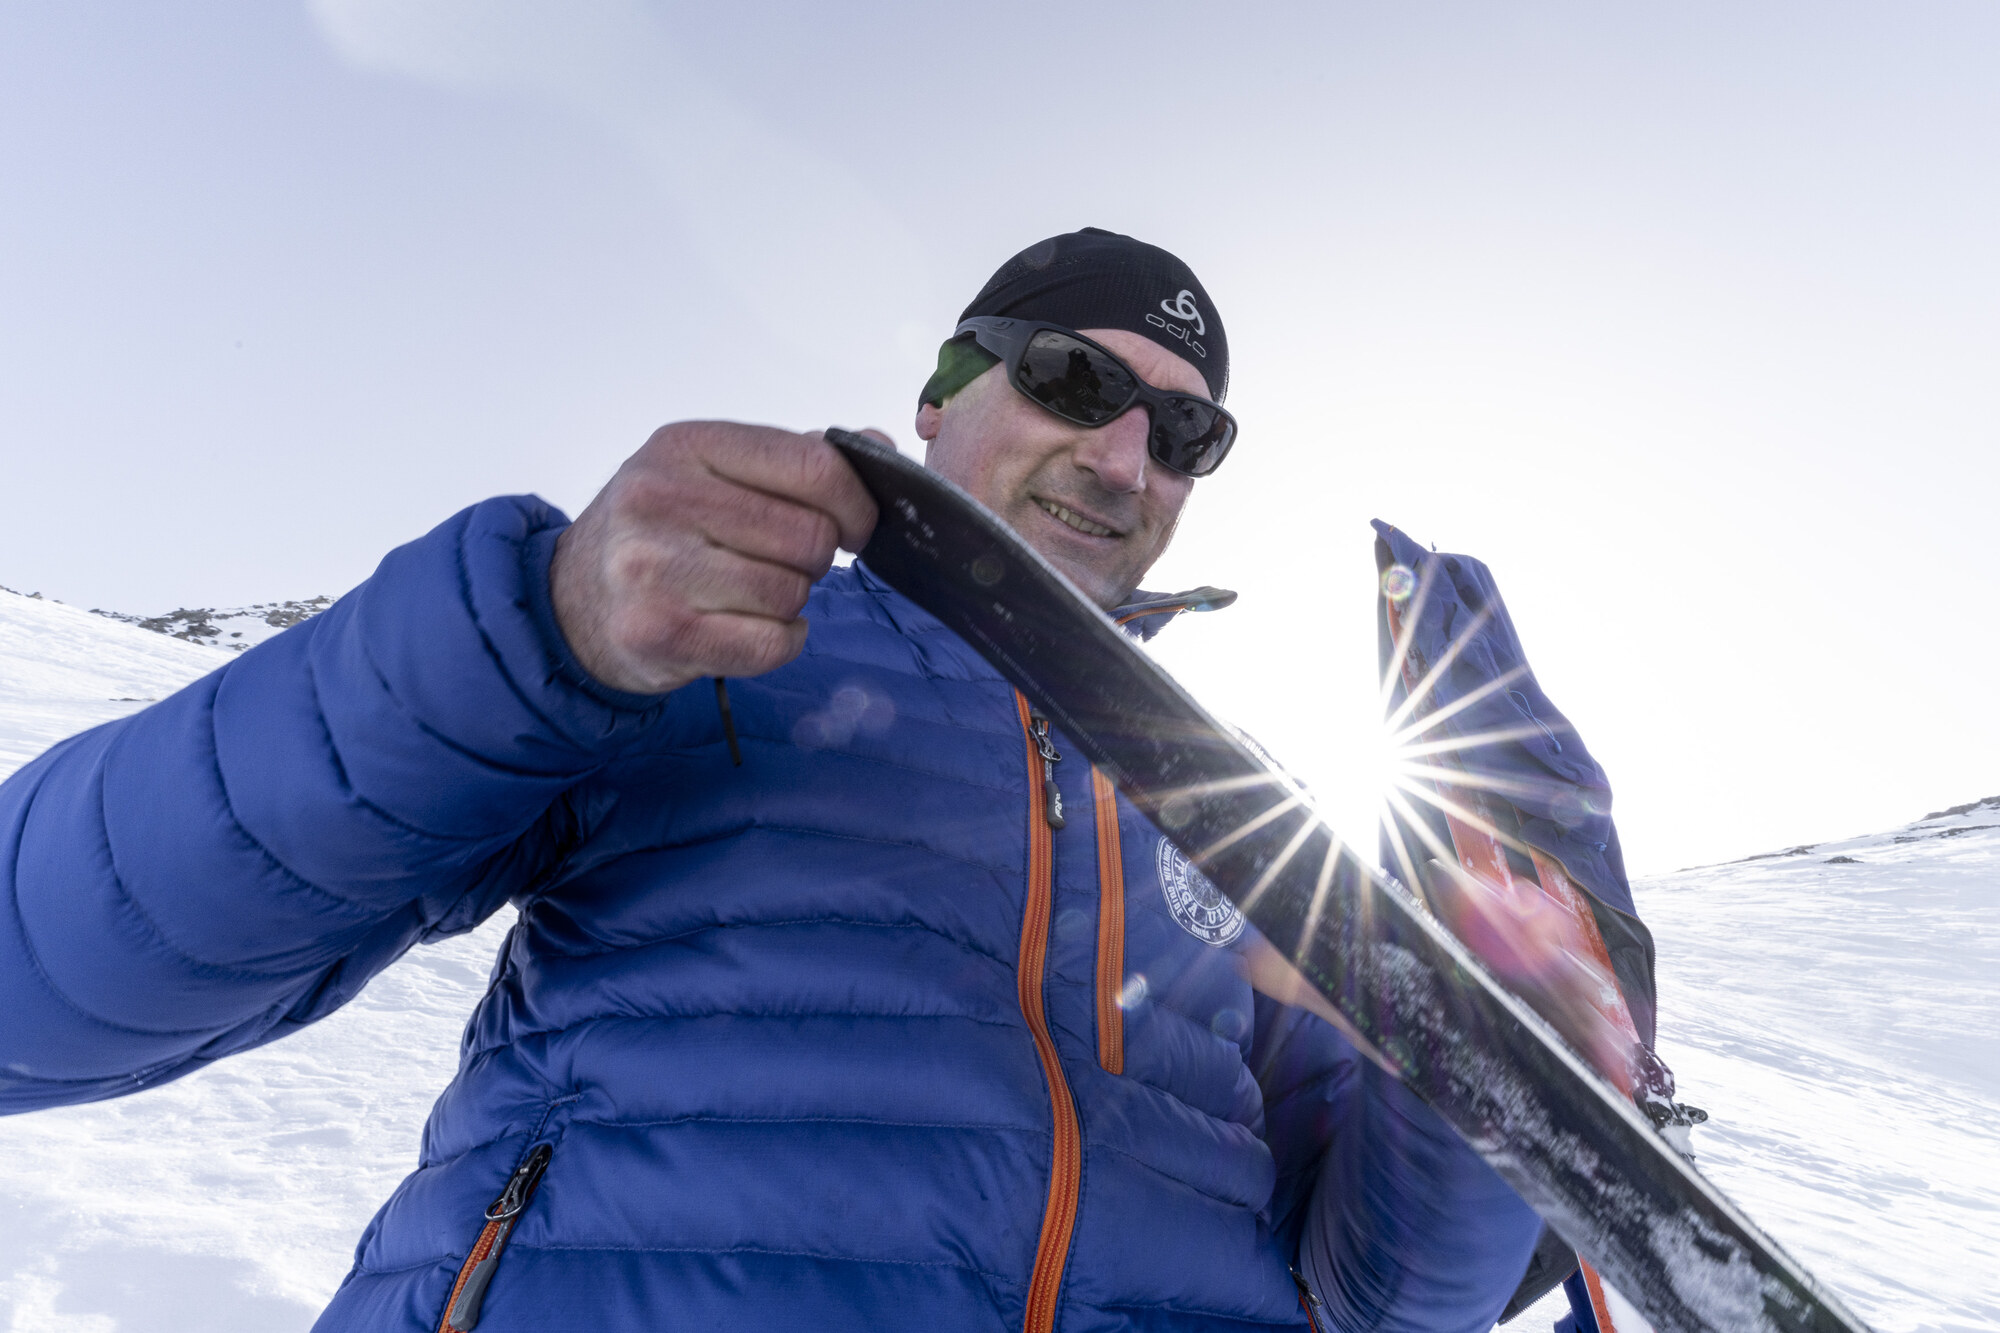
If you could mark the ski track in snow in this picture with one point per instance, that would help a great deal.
(1841, 1022)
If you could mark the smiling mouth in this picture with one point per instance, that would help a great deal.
(1074, 519)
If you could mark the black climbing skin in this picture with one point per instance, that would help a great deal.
(1575, 1148)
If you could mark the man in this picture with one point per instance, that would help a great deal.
(905, 1022)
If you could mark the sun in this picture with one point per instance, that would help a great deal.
(1420, 762)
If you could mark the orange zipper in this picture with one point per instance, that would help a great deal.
(1066, 1169)
(468, 1294)
(1110, 926)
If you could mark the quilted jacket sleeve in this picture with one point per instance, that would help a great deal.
(239, 859)
(1397, 1225)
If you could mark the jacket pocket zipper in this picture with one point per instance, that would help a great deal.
(1066, 1165)
(461, 1312)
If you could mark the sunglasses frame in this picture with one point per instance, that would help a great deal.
(1009, 339)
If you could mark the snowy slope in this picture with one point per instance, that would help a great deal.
(1840, 1019)
(62, 670)
(1837, 1008)
(230, 1200)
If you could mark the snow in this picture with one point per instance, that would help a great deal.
(230, 1200)
(1840, 1021)
(1837, 1018)
(235, 628)
(62, 670)
(1837, 1009)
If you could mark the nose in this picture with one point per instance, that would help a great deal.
(1116, 452)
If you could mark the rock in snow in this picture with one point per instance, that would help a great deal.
(236, 628)
(1836, 1008)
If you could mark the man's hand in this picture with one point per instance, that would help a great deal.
(695, 560)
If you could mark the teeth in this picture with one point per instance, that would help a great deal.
(1075, 520)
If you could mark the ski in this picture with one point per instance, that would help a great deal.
(1410, 995)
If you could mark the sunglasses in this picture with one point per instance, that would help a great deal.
(1084, 382)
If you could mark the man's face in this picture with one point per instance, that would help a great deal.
(1091, 500)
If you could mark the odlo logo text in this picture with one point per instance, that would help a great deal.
(1184, 308)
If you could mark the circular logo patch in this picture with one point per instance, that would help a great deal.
(1195, 903)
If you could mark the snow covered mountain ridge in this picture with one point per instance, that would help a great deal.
(234, 628)
(1933, 825)
(1835, 1006)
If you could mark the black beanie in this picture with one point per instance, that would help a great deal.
(1097, 279)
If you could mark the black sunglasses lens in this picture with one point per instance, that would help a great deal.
(1190, 435)
(1073, 379)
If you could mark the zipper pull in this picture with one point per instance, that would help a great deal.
(1309, 1300)
(462, 1313)
(1051, 794)
(521, 1185)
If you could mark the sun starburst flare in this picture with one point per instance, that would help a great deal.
(1438, 793)
(1438, 796)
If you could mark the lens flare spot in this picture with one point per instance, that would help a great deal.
(852, 709)
(1133, 993)
(1229, 1024)
(1398, 582)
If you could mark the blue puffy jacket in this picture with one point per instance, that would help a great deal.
(845, 1038)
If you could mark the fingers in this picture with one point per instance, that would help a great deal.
(804, 469)
(646, 613)
(674, 505)
(687, 576)
(758, 527)
(698, 557)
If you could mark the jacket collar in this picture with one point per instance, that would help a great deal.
(1148, 612)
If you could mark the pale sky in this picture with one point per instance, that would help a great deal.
(1684, 318)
